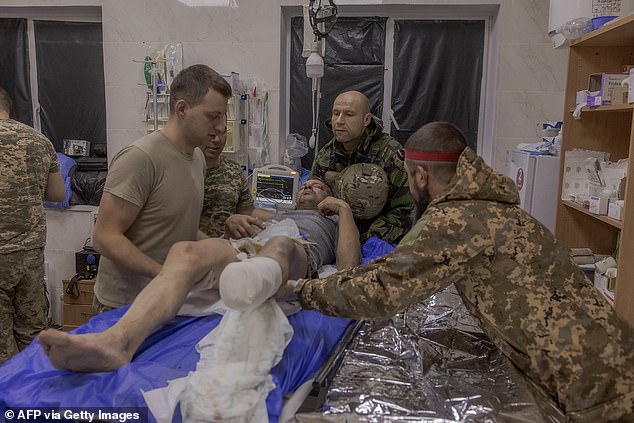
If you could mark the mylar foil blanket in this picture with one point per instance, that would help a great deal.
(431, 363)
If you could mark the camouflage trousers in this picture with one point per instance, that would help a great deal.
(23, 302)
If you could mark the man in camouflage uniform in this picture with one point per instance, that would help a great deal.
(533, 302)
(228, 197)
(30, 174)
(359, 138)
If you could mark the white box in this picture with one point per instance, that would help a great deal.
(610, 296)
(598, 205)
(615, 209)
(600, 281)
(600, 87)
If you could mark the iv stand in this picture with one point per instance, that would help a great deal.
(154, 96)
(154, 72)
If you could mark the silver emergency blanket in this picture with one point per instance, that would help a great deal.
(431, 363)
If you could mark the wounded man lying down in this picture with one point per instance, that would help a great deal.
(213, 263)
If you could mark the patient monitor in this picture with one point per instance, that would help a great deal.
(275, 187)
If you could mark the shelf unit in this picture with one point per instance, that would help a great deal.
(603, 128)
(162, 110)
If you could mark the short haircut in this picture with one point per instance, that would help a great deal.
(326, 186)
(437, 136)
(194, 82)
(6, 103)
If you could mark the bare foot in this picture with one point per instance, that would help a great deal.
(91, 352)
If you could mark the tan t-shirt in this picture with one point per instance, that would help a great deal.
(168, 186)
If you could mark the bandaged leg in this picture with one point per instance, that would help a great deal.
(247, 284)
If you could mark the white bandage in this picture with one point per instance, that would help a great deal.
(247, 284)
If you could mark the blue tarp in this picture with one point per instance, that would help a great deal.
(29, 380)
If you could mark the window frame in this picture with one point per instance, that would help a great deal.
(486, 12)
(46, 13)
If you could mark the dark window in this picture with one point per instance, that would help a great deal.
(354, 60)
(437, 75)
(14, 67)
(437, 72)
(71, 85)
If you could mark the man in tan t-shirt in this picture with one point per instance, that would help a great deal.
(154, 190)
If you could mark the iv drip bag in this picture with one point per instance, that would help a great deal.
(315, 66)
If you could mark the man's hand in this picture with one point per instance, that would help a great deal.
(331, 205)
(241, 225)
(287, 290)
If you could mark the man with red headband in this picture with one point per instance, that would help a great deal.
(533, 302)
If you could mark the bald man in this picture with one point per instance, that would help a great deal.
(359, 138)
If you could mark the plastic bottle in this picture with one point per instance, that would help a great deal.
(575, 28)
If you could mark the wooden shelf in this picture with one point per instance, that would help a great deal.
(602, 128)
(608, 108)
(612, 222)
(618, 32)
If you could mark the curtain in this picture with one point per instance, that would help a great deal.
(14, 67)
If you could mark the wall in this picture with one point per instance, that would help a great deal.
(67, 232)
(529, 79)
(525, 88)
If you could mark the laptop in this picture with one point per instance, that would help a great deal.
(275, 187)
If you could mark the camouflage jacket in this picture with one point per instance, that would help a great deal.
(530, 298)
(226, 191)
(26, 160)
(379, 148)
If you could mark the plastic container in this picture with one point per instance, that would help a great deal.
(599, 21)
(296, 148)
(575, 28)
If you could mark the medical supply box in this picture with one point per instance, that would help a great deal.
(600, 87)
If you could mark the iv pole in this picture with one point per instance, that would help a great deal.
(322, 19)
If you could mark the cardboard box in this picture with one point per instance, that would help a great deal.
(619, 95)
(600, 280)
(615, 209)
(601, 86)
(598, 205)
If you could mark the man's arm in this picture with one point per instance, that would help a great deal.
(436, 258)
(55, 189)
(395, 219)
(241, 224)
(116, 215)
(348, 252)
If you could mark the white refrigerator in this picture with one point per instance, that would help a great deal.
(537, 180)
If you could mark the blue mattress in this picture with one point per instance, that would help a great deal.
(29, 380)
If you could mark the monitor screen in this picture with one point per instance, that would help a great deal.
(279, 189)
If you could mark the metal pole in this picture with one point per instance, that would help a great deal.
(154, 96)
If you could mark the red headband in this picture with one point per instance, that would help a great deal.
(433, 156)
